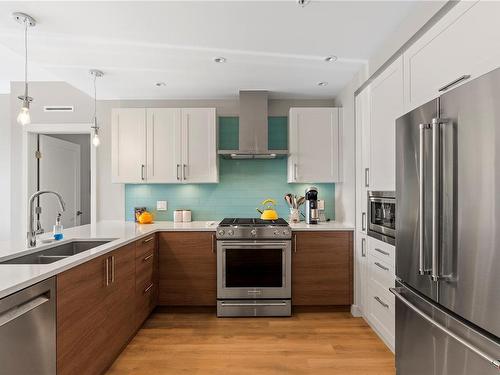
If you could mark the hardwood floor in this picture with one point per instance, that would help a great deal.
(196, 343)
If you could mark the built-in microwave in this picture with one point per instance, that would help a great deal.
(382, 215)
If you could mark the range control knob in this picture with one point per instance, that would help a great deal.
(230, 232)
(286, 232)
(253, 232)
(221, 232)
(276, 232)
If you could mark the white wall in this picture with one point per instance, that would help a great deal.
(5, 165)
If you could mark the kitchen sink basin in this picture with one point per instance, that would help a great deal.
(55, 253)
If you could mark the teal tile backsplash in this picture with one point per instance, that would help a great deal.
(243, 184)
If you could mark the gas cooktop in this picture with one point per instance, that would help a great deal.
(249, 228)
(250, 222)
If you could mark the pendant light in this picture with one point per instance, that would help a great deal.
(95, 139)
(23, 118)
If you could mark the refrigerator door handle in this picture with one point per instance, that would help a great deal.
(436, 187)
(397, 292)
(421, 209)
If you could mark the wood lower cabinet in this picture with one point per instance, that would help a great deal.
(187, 269)
(322, 268)
(96, 314)
(146, 278)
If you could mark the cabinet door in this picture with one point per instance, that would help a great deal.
(322, 268)
(199, 145)
(464, 42)
(128, 145)
(315, 145)
(362, 157)
(187, 269)
(82, 336)
(146, 278)
(119, 302)
(386, 105)
(163, 145)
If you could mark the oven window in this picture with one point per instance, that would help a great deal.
(382, 213)
(254, 268)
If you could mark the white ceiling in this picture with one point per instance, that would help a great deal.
(269, 45)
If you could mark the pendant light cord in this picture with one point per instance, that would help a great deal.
(95, 101)
(26, 21)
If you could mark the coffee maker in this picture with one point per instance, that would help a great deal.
(312, 214)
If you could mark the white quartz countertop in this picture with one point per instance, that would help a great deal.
(14, 277)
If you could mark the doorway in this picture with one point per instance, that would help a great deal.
(60, 158)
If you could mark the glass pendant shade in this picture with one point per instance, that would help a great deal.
(24, 118)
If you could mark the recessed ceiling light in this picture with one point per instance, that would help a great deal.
(220, 59)
(160, 84)
(322, 83)
(331, 58)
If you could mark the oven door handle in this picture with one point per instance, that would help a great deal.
(233, 244)
(253, 304)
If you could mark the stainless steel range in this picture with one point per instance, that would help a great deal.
(253, 268)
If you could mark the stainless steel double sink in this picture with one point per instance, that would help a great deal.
(57, 252)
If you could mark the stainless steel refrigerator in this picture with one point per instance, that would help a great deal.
(448, 233)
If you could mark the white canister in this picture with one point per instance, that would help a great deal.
(178, 216)
(186, 216)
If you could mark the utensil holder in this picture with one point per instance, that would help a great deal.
(294, 215)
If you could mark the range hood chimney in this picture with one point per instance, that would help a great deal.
(253, 132)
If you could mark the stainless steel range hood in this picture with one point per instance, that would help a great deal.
(253, 132)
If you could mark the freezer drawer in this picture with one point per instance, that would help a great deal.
(432, 342)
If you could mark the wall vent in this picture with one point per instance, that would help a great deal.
(58, 108)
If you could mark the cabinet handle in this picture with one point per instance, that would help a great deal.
(107, 271)
(148, 288)
(184, 173)
(145, 259)
(363, 247)
(376, 298)
(453, 83)
(112, 269)
(178, 177)
(294, 243)
(148, 240)
(363, 221)
(367, 177)
(142, 172)
(382, 251)
(295, 171)
(381, 266)
(213, 242)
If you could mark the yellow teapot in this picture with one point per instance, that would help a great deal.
(269, 212)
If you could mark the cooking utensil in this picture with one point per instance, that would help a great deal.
(288, 200)
(300, 201)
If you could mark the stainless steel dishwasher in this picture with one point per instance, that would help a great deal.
(28, 331)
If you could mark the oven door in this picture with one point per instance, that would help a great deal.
(253, 269)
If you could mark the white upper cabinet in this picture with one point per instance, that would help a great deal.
(164, 145)
(315, 140)
(463, 43)
(128, 145)
(199, 146)
(386, 105)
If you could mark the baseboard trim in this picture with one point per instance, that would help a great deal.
(356, 311)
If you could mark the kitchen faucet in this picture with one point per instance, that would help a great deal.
(32, 232)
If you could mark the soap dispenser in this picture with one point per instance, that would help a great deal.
(58, 228)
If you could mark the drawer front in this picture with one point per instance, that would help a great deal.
(145, 302)
(382, 312)
(381, 272)
(145, 246)
(381, 250)
(144, 270)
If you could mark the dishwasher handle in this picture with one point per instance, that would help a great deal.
(22, 309)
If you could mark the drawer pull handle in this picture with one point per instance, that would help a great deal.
(376, 298)
(148, 288)
(382, 251)
(381, 266)
(145, 259)
(148, 240)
